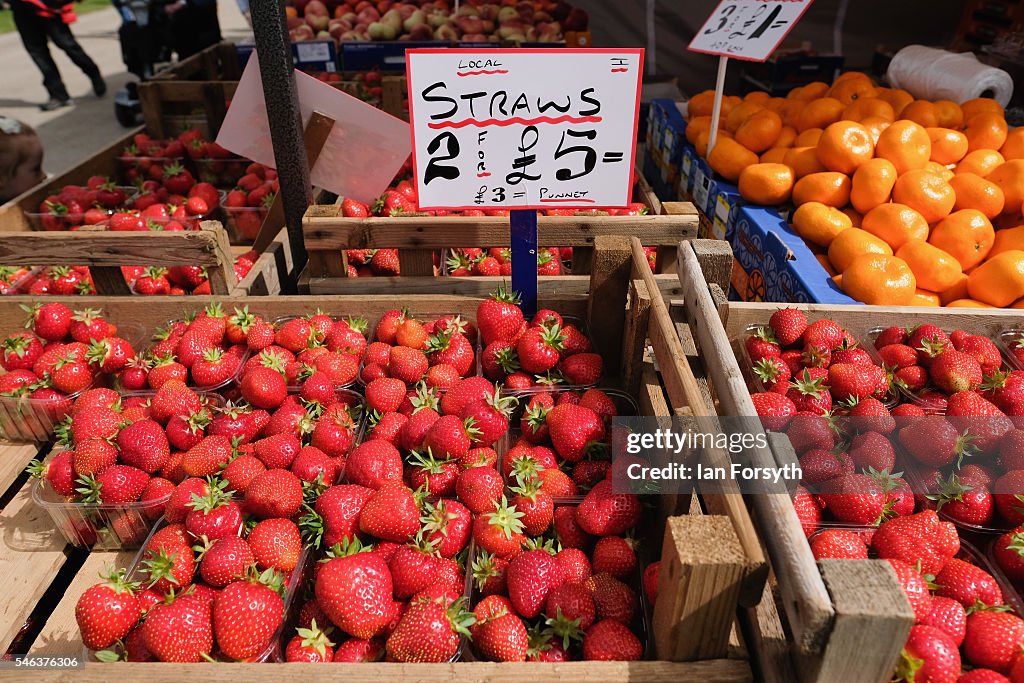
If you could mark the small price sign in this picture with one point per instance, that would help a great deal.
(748, 29)
(524, 129)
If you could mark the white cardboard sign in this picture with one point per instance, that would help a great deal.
(524, 128)
(748, 29)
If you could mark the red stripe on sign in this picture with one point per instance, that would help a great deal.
(619, 71)
(482, 72)
(483, 175)
(514, 121)
(567, 201)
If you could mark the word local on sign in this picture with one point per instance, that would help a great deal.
(496, 134)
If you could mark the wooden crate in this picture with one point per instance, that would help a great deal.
(848, 619)
(327, 235)
(696, 617)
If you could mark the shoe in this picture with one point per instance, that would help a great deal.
(99, 86)
(54, 103)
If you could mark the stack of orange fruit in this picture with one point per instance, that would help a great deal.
(905, 202)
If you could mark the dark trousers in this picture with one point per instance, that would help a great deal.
(35, 31)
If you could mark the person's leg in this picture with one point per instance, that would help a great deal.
(32, 30)
(60, 34)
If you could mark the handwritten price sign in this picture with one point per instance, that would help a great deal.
(524, 129)
(748, 29)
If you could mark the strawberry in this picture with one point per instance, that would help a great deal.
(610, 640)
(114, 485)
(539, 348)
(573, 429)
(392, 513)
(479, 488)
(451, 437)
(51, 321)
(969, 412)
(993, 639)
(214, 368)
(614, 555)
(500, 636)
(872, 450)
(983, 349)
(581, 369)
(360, 650)
(437, 477)
(499, 532)
(413, 568)
(952, 371)
(207, 457)
(224, 560)
(774, 409)
(968, 584)
(173, 398)
(788, 325)
(918, 538)
(336, 518)
(451, 348)
(838, 544)
(59, 473)
(612, 598)
(180, 630)
(264, 388)
(870, 414)
(808, 431)
(605, 513)
(311, 645)
(87, 325)
(854, 499)
(808, 511)
(448, 524)
(810, 394)
(247, 613)
(274, 493)
(429, 632)
(762, 344)
(934, 441)
(385, 394)
(107, 611)
(964, 500)
(826, 334)
(242, 471)
(1008, 552)
(773, 374)
(499, 317)
(144, 445)
(93, 457)
(948, 616)
(373, 464)
(536, 505)
(928, 655)
(916, 588)
(354, 588)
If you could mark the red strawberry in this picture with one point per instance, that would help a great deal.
(826, 334)
(968, 584)
(274, 493)
(890, 335)
(1009, 497)
(311, 645)
(179, 631)
(605, 513)
(609, 640)
(479, 488)
(144, 445)
(373, 464)
(871, 450)
(115, 485)
(774, 409)
(919, 538)
(933, 441)
(839, 544)
(573, 429)
(964, 500)
(107, 611)
(429, 632)
(993, 639)
(532, 575)
(773, 373)
(500, 531)
(948, 616)
(870, 414)
(854, 499)
(264, 388)
(247, 613)
(916, 588)
(225, 560)
(214, 515)
(614, 555)
(499, 317)
(954, 371)
(385, 394)
(788, 325)
(498, 634)
(762, 344)
(928, 655)
(392, 513)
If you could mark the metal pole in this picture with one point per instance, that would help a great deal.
(276, 69)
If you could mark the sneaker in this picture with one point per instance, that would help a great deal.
(99, 86)
(54, 103)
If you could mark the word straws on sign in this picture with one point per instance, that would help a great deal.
(525, 128)
(748, 29)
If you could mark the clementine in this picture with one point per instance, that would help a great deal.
(875, 107)
(999, 281)
(844, 146)
(849, 90)
(880, 279)
(1007, 239)
(957, 291)
(986, 130)
(934, 269)
(980, 105)
(974, 192)
(758, 96)
(1013, 148)
(896, 224)
(818, 223)
(967, 235)
(766, 184)
(856, 217)
(728, 158)
(969, 303)
(854, 242)
(872, 184)
(875, 126)
(828, 187)
(775, 155)
(808, 138)
(906, 144)
(924, 298)
(803, 161)
(819, 113)
(928, 194)
(948, 113)
(701, 104)
(760, 131)
(696, 126)
(811, 91)
(921, 112)
(899, 99)
(739, 114)
(980, 162)
(948, 146)
(1010, 179)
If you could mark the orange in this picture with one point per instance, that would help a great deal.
(811, 91)
(844, 146)
(775, 155)
(969, 303)
(922, 112)
(849, 90)
(856, 217)
(728, 158)
(981, 162)
(803, 161)
(851, 243)
(966, 235)
(760, 131)
(739, 114)
(880, 279)
(701, 143)
(948, 113)
(818, 223)
(948, 146)
(766, 184)
(974, 192)
(863, 108)
(896, 224)
(897, 98)
(1007, 239)
(1010, 178)
(808, 138)
(928, 194)
(875, 126)
(957, 291)
(986, 130)
(826, 264)
(696, 126)
(979, 105)
(701, 104)
(939, 170)
(776, 104)
(1000, 280)
(922, 297)
(828, 187)
(786, 137)
(872, 184)
(819, 113)
(934, 269)
(758, 96)
(1013, 148)
(906, 145)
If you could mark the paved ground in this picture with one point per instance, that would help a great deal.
(70, 135)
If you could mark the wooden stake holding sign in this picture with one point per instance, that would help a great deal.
(744, 29)
(495, 129)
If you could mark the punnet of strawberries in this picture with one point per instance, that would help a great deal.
(909, 451)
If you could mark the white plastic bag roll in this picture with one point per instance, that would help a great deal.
(931, 74)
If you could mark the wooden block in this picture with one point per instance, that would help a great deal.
(873, 619)
(702, 567)
(60, 636)
(416, 262)
(715, 260)
(606, 307)
(768, 640)
(31, 552)
(634, 337)
(14, 457)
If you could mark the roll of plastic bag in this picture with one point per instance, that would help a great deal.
(931, 74)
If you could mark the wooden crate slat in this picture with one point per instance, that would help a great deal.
(31, 552)
(60, 636)
(14, 457)
(437, 232)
